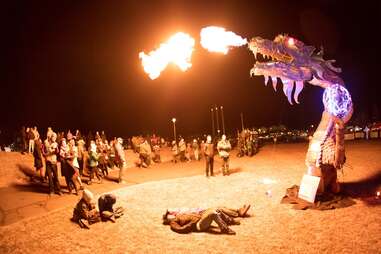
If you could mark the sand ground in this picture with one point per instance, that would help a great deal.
(272, 228)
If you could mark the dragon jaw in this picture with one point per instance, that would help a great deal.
(293, 63)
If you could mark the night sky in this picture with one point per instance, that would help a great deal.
(74, 64)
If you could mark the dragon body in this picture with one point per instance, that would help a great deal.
(296, 64)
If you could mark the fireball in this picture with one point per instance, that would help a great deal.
(217, 39)
(176, 50)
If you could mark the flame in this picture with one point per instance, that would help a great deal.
(217, 39)
(177, 50)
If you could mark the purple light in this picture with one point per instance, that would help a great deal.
(337, 100)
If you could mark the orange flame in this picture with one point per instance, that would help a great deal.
(177, 50)
(217, 39)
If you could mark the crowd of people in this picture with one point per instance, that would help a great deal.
(69, 152)
(79, 157)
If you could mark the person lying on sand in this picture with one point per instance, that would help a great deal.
(200, 220)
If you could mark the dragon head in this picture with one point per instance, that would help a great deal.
(293, 63)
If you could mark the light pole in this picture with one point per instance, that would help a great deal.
(211, 110)
(218, 123)
(174, 128)
(242, 121)
(222, 119)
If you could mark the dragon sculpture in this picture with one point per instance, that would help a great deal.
(296, 64)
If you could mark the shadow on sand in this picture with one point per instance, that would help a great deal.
(365, 189)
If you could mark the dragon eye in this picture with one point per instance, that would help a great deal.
(291, 41)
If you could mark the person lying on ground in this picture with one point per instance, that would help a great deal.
(234, 213)
(200, 221)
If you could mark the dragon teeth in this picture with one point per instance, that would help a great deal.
(274, 81)
(298, 88)
(266, 80)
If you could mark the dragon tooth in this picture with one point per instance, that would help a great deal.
(266, 80)
(274, 81)
(287, 90)
(298, 89)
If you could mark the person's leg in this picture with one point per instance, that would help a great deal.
(211, 166)
(229, 211)
(49, 172)
(32, 145)
(55, 178)
(92, 172)
(68, 183)
(207, 159)
(208, 217)
(121, 168)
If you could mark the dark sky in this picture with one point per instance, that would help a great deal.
(74, 64)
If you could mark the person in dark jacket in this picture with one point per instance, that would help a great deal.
(209, 156)
(37, 155)
(199, 222)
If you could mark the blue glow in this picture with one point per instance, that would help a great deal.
(337, 100)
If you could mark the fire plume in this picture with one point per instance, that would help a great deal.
(177, 50)
(217, 39)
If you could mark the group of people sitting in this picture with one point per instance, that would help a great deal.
(85, 212)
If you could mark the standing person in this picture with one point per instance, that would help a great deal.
(66, 170)
(145, 154)
(81, 154)
(188, 152)
(73, 162)
(103, 136)
(120, 158)
(50, 153)
(366, 130)
(102, 159)
(182, 148)
(35, 133)
(93, 163)
(223, 148)
(111, 154)
(196, 150)
(31, 139)
(175, 151)
(37, 155)
(23, 140)
(202, 148)
(209, 156)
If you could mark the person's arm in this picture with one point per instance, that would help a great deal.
(184, 229)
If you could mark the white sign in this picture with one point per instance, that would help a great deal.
(308, 188)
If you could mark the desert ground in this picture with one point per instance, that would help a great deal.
(34, 223)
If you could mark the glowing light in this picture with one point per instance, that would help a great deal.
(337, 100)
(217, 39)
(177, 50)
(291, 41)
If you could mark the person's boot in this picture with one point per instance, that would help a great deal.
(84, 223)
(228, 231)
(242, 212)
